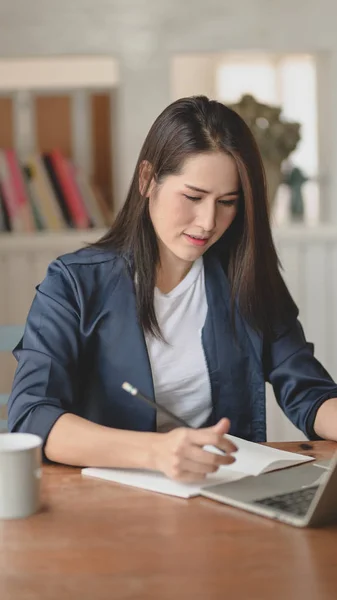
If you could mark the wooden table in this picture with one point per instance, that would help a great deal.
(98, 540)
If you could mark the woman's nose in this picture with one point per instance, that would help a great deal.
(206, 216)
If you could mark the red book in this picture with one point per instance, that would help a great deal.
(22, 199)
(71, 193)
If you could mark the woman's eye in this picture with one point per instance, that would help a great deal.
(193, 198)
(227, 202)
(222, 202)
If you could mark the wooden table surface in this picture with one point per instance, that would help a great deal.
(98, 540)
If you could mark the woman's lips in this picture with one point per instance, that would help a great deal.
(196, 241)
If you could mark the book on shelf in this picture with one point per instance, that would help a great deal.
(47, 192)
(78, 214)
(4, 218)
(10, 199)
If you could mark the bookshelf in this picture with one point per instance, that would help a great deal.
(67, 104)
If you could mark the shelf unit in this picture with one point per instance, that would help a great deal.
(66, 103)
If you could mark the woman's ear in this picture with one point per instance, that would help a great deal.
(146, 182)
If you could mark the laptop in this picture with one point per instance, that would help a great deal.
(303, 496)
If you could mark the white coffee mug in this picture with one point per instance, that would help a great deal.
(20, 473)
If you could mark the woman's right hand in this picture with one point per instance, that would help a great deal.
(180, 454)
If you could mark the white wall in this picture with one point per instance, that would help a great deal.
(309, 260)
(145, 34)
(192, 74)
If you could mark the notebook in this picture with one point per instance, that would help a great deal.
(251, 459)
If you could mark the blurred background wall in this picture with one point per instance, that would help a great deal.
(88, 77)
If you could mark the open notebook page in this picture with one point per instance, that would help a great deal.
(254, 459)
(154, 481)
(251, 459)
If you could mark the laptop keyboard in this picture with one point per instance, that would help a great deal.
(296, 503)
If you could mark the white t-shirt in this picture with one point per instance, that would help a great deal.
(179, 370)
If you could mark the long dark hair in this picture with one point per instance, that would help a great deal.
(191, 126)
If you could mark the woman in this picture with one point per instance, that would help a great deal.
(183, 298)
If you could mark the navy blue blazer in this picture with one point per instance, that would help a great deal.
(82, 340)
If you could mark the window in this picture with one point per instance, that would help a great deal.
(289, 81)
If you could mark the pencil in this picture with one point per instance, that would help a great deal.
(135, 392)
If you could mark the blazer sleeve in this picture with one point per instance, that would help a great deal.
(300, 382)
(45, 381)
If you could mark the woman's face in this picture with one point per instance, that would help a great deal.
(191, 211)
